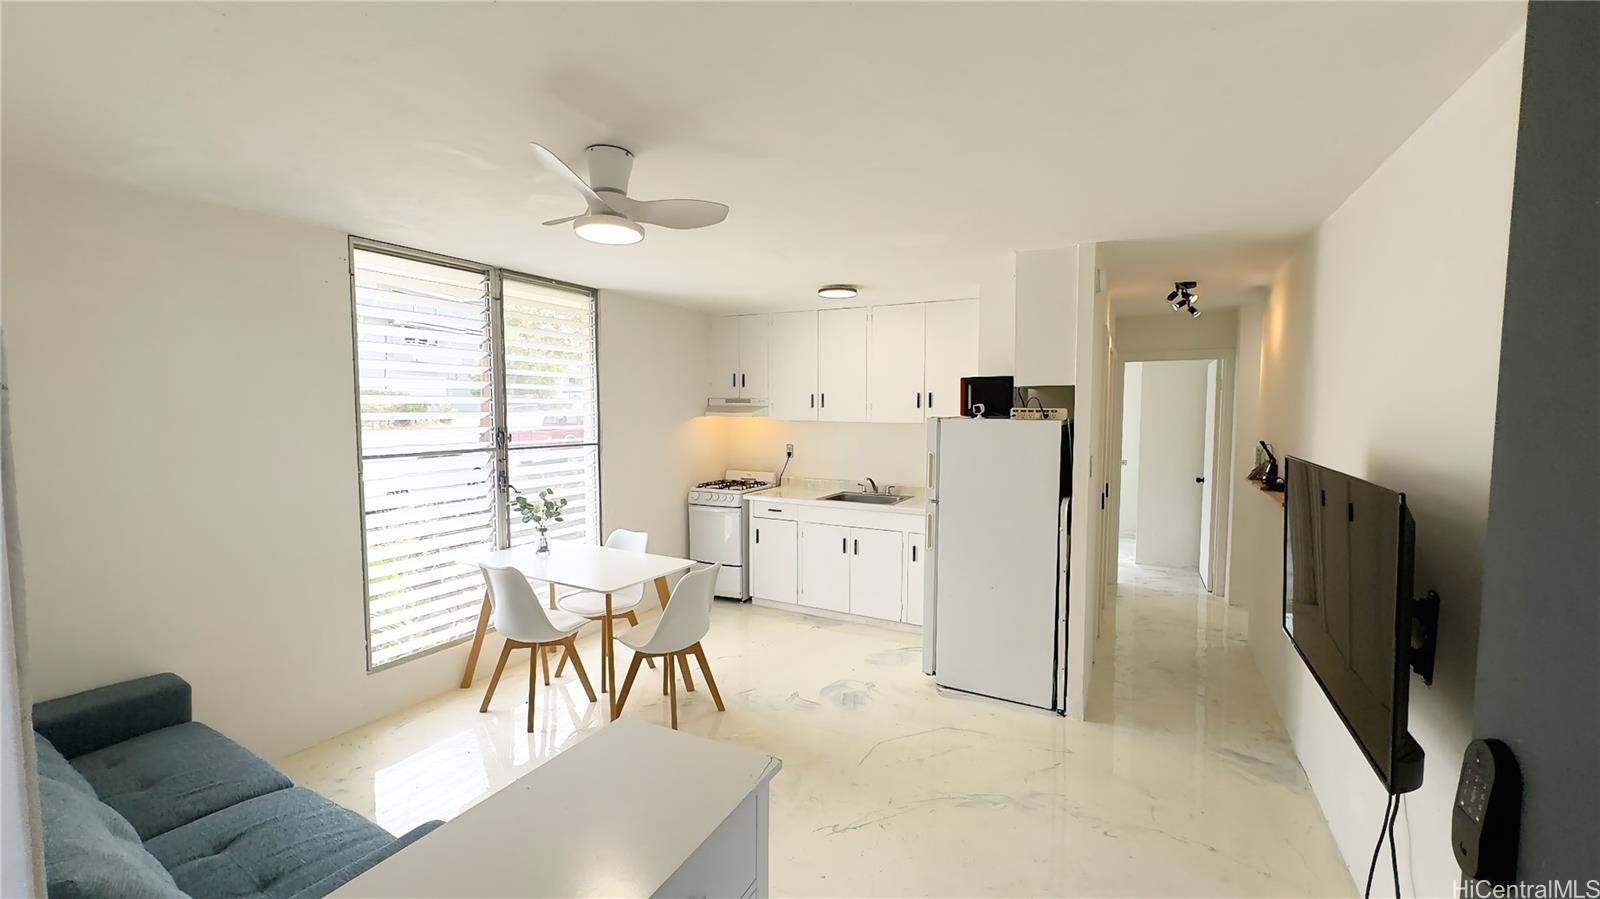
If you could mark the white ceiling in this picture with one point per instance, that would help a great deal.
(901, 146)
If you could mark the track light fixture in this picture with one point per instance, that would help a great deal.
(1184, 298)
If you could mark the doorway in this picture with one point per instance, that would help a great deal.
(1173, 442)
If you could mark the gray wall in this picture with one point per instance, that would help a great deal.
(1538, 678)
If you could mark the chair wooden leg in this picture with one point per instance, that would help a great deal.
(664, 669)
(577, 667)
(505, 652)
(705, 669)
(533, 680)
(570, 653)
(672, 690)
(544, 659)
(683, 663)
(634, 620)
(627, 682)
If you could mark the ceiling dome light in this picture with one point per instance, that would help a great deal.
(837, 292)
(612, 230)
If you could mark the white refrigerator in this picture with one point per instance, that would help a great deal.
(995, 612)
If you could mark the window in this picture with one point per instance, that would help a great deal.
(472, 384)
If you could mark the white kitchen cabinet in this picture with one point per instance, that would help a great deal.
(825, 566)
(950, 353)
(792, 364)
(842, 365)
(774, 560)
(894, 363)
(876, 573)
(737, 357)
(753, 330)
(916, 556)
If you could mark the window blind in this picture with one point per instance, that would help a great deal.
(439, 375)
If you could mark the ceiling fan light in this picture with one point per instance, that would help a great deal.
(611, 230)
(837, 292)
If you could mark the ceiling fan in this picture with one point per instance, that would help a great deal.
(614, 217)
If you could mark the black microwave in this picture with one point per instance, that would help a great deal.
(992, 394)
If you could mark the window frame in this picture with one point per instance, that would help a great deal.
(495, 278)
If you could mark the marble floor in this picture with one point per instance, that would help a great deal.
(1184, 786)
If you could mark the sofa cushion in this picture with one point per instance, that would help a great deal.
(52, 766)
(91, 852)
(169, 777)
(364, 864)
(95, 719)
(269, 847)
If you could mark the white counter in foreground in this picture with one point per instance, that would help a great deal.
(634, 810)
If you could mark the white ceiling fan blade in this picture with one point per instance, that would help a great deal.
(563, 221)
(680, 214)
(561, 170)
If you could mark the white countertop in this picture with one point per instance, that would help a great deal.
(615, 815)
(811, 493)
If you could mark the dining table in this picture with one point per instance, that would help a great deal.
(585, 567)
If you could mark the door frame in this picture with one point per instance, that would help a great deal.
(1221, 456)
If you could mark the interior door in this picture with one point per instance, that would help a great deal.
(722, 363)
(876, 573)
(792, 362)
(1207, 463)
(1171, 447)
(825, 566)
(774, 560)
(842, 365)
(894, 364)
(753, 356)
(950, 353)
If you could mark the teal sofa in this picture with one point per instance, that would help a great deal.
(139, 801)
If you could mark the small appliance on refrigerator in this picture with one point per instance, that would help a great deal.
(999, 503)
(717, 527)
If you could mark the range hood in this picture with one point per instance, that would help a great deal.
(734, 406)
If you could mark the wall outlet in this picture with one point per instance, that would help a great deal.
(788, 450)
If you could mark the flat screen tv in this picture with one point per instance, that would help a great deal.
(1347, 606)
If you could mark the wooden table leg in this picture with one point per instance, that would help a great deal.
(477, 643)
(663, 591)
(611, 660)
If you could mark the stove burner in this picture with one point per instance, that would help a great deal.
(733, 484)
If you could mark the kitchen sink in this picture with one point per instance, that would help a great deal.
(871, 499)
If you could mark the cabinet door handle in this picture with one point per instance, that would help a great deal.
(858, 547)
(913, 547)
(919, 399)
(824, 401)
(813, 401)
(844, 545)
(758, 536)
(741, 380)
(930, 399)
(733, 380)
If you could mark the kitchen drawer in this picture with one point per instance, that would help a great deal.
(782, 511)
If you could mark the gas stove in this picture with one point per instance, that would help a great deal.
(728, 491)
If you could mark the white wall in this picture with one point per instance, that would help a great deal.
(182, 394)
(655, 439)
(887, 453)
(1380, 358)
(1170, 332)
(1128, 508)
(1172, 424)
(1046, 316)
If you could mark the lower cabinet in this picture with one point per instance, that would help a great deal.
(916, 564)
(774, 566)
(825, 566)
(875, 573)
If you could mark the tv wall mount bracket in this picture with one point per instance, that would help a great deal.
(1424, 634)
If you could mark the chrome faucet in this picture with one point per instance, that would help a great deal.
(870, 482)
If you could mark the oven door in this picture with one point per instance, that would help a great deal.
(716, 535)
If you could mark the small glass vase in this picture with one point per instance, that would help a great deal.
(544, 542)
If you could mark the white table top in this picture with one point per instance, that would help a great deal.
(600, 569)
(615, 815)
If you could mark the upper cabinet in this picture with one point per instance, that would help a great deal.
(897, 363)
(842, 365)
(737, 361)
(1047, 317)
(793, 366)
(950, 354)
(894, 364)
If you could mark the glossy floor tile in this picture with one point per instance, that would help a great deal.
(1186, 786)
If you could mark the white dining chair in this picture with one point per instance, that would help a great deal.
(676, 635)
(593, 605)
(523, 620)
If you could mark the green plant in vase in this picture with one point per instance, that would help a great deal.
(540, 513)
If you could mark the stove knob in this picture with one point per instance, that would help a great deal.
(696, 496)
